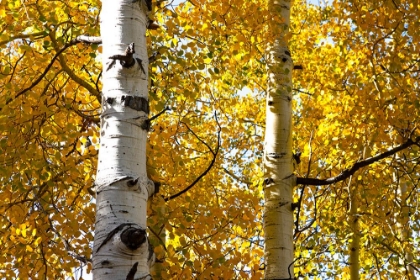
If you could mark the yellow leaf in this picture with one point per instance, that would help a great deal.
(37, 241)
(23, 229)
(29, 248)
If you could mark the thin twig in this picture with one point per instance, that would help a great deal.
(211, 163)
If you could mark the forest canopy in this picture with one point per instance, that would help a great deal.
(355, 96)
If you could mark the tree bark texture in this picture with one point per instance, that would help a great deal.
(278, 158)
(121, 248)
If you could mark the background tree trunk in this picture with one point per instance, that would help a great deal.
(355, 187)
(403, 220)
(278, 158)
(121, 184)
(354, 250)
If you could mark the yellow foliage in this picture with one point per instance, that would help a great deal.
(358, 88)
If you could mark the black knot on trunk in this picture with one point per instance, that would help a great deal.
(132, 183)
(268, 181)
(133, 238)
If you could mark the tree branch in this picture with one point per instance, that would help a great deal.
(79, 39)
(88, 39)
(160, 113)
(158, 237)
(360, 164)
(36, 35)
(236, 177)
(210, 165)
(67, 69)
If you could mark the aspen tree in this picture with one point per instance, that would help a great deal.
(278, 158)
(121, 248)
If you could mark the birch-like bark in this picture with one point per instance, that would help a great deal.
(121, 183)
(278, 159)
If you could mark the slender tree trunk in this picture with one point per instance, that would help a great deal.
(354, 224)
(121, 184)
(278, 159)
(403, 219)
(405, 228)
(354, 246)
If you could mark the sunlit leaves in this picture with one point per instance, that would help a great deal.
(358, 88)
(45, 204)
(353, 95)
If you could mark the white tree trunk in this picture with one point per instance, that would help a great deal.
(354, 250)
(121, 184)
(278, 158)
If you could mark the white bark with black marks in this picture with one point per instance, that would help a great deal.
(121, 183)
(278, 157)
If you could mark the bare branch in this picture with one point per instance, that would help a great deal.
(87, 39)
(360, 164)
(159, 114)
(210, 165)
(158, 237)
